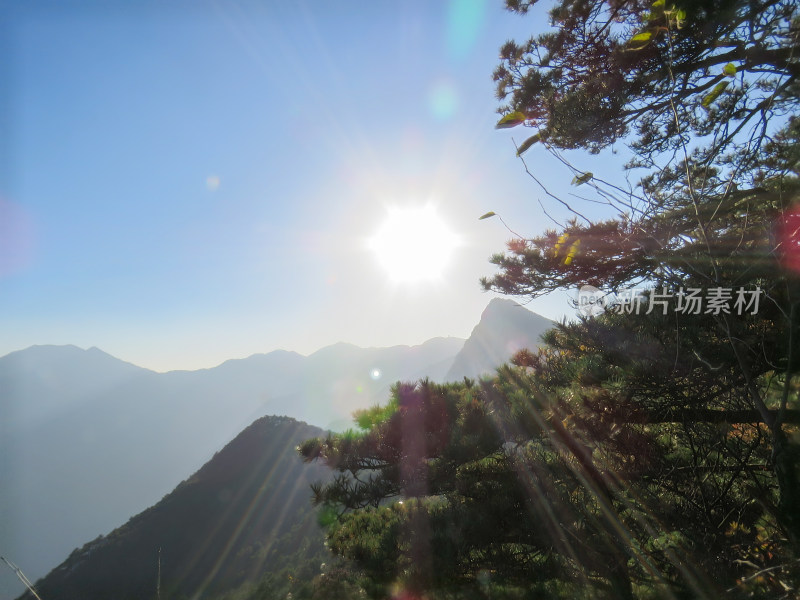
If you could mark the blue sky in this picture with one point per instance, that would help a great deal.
(190, 182)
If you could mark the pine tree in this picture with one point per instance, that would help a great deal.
(705, 95)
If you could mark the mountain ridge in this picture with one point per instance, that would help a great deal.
(505, 327)
(76, 464)
(34, 348)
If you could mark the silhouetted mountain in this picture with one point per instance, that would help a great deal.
(245, 514)
(505, 328)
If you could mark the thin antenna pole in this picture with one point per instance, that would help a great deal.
(21, 576)
(158, 581)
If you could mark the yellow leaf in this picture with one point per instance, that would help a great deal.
(709, 98)
(572, 252)
(487, 215)
(527, 144)
(640, 40)
(560, 241)
(510, 120)
(579, 179)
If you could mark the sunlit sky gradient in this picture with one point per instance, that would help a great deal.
(187, 182)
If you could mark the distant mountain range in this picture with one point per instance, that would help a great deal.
(87, 440)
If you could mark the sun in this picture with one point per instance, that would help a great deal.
(413, 245)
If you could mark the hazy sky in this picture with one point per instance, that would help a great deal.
(186, 182)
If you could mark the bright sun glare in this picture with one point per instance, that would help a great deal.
(413, 244)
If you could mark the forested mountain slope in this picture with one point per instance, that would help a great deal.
(244, 514)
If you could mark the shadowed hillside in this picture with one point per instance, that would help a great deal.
(245, 514)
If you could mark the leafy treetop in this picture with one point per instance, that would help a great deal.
(660, 70)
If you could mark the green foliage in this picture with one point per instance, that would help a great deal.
(368, 418)
(484, 479)
(553, 477)
(692, 412)
(609, 70)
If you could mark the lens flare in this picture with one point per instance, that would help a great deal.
(443, 100)
(788, 237)
(212, 183)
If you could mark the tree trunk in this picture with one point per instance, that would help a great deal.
(786, 458)
(619, 575)
(620, 579)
